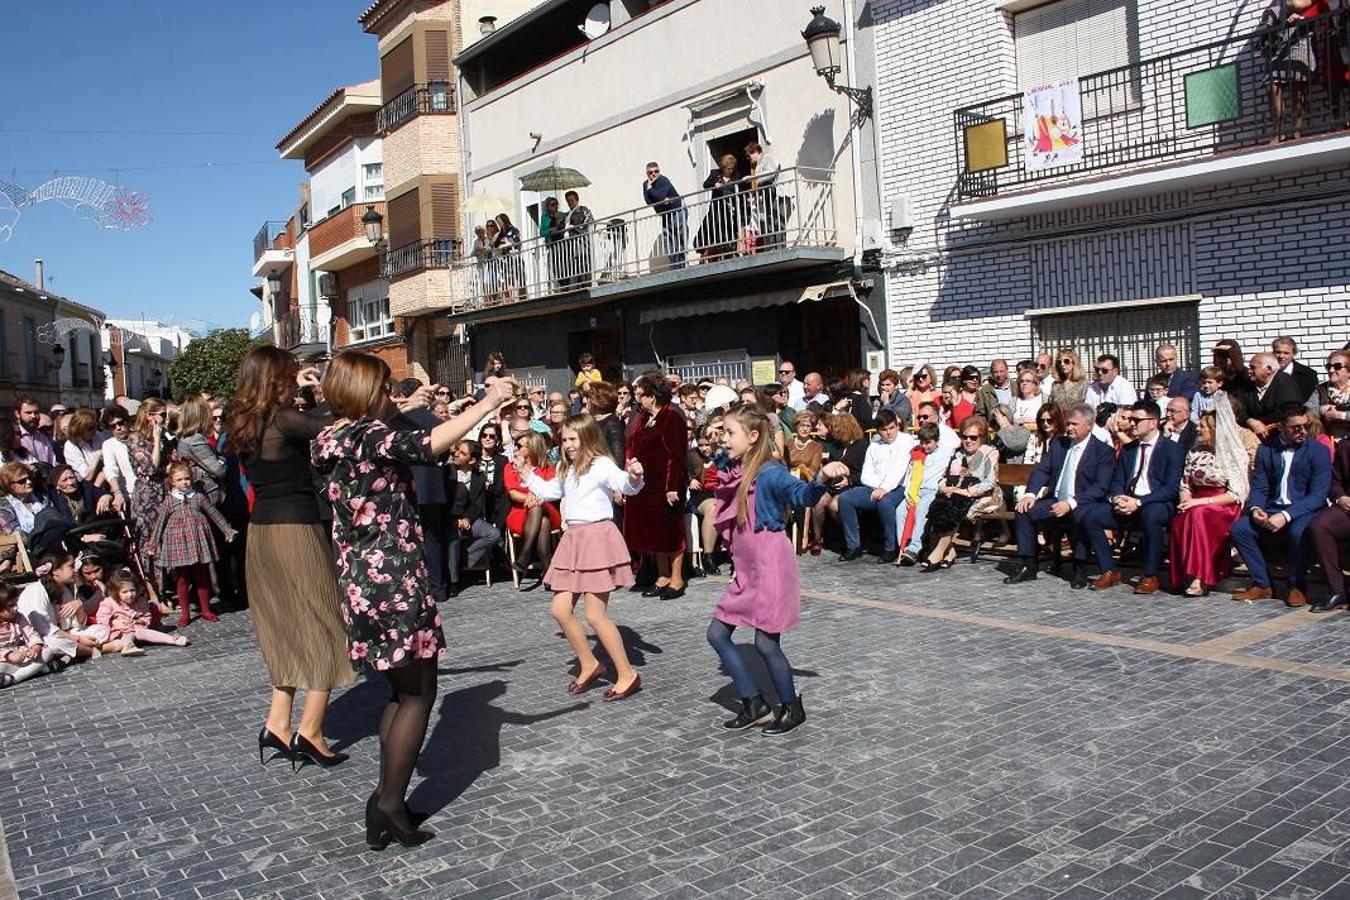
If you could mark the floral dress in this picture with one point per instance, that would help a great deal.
(148, 495)
(391, 617)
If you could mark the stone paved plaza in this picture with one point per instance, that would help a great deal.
(965, 739)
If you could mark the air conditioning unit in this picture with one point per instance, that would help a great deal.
(328, 286)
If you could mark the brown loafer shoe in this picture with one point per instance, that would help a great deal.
(1255, 592)
(1147, 585)
(1106, 580)
(1296, 598)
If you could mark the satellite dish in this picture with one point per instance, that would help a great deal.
(254, 322)
(597, 21)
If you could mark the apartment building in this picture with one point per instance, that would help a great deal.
(1106, 175)
(49, 345)
(575, 94)
(139, 353)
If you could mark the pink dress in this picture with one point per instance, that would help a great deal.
(1199, 542)
(766, 592)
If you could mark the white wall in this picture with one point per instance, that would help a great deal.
(327, 182)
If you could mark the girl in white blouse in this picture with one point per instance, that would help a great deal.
(592, 559)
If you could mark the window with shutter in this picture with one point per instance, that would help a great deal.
(1073, 38)
(1131, 333)
(445, 209)
(438, 55)
(396, 70)
(405, 225)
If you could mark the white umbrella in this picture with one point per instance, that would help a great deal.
(487, 204)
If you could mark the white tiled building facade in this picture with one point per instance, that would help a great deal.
(1189, 251)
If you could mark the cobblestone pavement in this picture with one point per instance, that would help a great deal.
(965, 740)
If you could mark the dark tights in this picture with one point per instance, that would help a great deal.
(536, 536)
(769, 649)
(403, 727)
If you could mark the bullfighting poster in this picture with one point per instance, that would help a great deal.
(1052, 121)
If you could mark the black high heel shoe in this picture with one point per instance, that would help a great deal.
(380, 830)
(302, 750)
(269, 741)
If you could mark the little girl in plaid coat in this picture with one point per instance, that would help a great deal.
(181, 540)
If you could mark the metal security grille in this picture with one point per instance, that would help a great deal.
(1131, 333)
(732, 365)
(452, 365)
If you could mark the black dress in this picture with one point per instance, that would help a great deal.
(721, 226)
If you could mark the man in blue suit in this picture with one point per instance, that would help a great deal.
(1290, 485)
(1143, 495)
(1180, 383)
(1077, 473)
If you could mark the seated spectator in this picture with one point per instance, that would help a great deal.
(1028, 401)
(493, 463)
(1290, 484)
(923, 387)
(1180, 383)
(1071, 383)
(79, 452)
(467, 502)
(1106, 426)
(846, 443)
(951, 395)
(531, 519)
(127, 617)
(893, 396)
(997, 390)
(77, 503)
(967, 397)
(1111, 386)
(58, 616)
(1077, 475)
(23, 655)
(1177, 424)
(1305, 378)
(20, 505)
(971, 476)
(1155, 389)
(1142, 496)
(1211, 385)
(884, 467)
(805, 455)
(912, 510)
(1333, 396)
(1049, 425)
(1330, 532)
(702, 483)
(1214, 486)
(1232, 366)
(1010, 440)
(1270, 393)
(858, 388)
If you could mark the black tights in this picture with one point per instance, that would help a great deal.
(403, 727)
(536, 536)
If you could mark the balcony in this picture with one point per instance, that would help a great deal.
(435, 253)
(769, 228)
(1195, 117)
(433, 98)
(339, 241)
(269, 250)
(300, 332)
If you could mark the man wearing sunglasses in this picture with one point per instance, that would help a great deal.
(1110, 386)
(796, 392)
(1145, 485)
(660, 195)
(1290, 485)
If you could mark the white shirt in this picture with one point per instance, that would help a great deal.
(796, 395)
(77, 457)
(1068, 476)
(1286, 463)
(117, 464)
(36, 607)
(1120, 392)
(586, 498)
(935, 466)
(885, 465)
(1024, 410)
(1047, 383)
(1142, 488)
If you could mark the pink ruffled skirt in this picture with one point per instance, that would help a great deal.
(591, 558)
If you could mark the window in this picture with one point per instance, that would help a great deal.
(348, 197)
(1073, 38)
(304, 216)
(1129, 332)
(372, 178)
(30, 348)
(368, 311)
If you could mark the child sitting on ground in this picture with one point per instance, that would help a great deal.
(22, 653)
(126, 615)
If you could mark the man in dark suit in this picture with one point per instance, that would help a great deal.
(1145, 483)
(1271, 391)
(1077, 473)
(1290, 484)
(1305, 377)
(1177, 425)
(1180, 383)
(467, 491)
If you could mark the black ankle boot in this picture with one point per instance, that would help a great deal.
(786, 717)
(754, 710)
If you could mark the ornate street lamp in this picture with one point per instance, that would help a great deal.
(274, 284)
(822, 39)
(374, 225)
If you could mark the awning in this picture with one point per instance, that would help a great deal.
(742, 302)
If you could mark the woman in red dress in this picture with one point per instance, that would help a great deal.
(1213, 488)
(652, 519)
(531, 519)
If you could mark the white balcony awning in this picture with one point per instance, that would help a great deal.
(741, 302)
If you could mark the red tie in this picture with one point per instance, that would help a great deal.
(1143, 464)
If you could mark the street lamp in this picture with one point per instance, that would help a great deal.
(60, 353)
(374, 225)
(274, 284)
(822, 39)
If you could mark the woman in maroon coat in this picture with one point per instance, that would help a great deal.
(653, 520)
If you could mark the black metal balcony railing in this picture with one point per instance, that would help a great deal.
(267, 234)
(297, 328)
(1184, 105)
(436, 253)
(435, 97)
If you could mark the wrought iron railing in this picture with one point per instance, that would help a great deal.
(266, 237)
(1188, 104)
(299, 327)
(434, 253)
(715, 226)
(432, 98)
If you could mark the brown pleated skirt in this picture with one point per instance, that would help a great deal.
(293, 596)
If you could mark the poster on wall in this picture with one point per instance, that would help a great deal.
(1052, 121)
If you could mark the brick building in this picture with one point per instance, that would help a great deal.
(1172, 217)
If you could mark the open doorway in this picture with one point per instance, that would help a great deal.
(734, 144)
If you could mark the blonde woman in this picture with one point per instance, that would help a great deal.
(1071, 382)
(149, 455)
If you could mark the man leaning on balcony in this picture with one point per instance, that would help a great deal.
(660, 195)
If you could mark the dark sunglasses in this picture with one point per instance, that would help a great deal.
(1066, 361)
(24, 480)
(787, 372)
(1335, 367)
(1046, 421)
(970, 437)
(1104, 370)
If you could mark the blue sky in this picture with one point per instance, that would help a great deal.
(144, 94)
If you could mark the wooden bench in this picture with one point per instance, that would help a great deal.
(1010, 475)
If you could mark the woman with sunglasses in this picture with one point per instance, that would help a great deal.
(971, 476)
(19, 502)
(922, 387)
(493, 464)
(1333, 396)
(1071, 382)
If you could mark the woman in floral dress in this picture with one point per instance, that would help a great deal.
(392, 624)
(148, 459)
